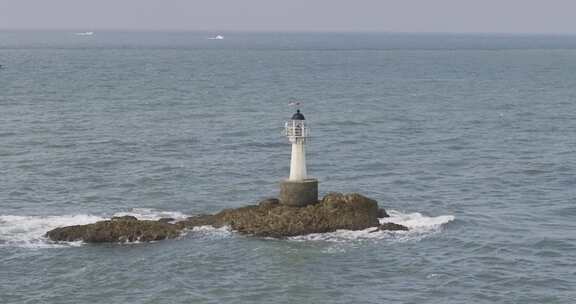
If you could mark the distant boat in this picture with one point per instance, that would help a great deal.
(219, 37)
(85, 34)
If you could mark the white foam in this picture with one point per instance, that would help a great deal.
(212, 233)
(28, 231)
(152, 214)
(420, 226)
(417, 221)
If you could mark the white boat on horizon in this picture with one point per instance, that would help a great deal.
(85, 34)
(219, 37)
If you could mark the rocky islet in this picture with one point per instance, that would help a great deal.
(268, 218)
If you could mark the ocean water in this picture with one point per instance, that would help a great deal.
(467, 139)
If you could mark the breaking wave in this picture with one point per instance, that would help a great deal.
(211, 233)
(153, 214)
(29, 231)
(420, 227)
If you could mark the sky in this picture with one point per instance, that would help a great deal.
(453, 16)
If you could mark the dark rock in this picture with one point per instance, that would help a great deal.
(335, 211)
(200, 220)
(391, 227)
(166, 220)
(382, 213)
(124, 218)
(118, 230)
(269, 203)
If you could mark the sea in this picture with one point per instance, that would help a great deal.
(467, 139)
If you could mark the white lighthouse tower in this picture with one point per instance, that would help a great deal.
(298, 190)
(298, 134)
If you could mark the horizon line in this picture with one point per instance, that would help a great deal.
(219, 31)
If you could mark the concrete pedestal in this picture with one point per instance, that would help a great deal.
(299, 193)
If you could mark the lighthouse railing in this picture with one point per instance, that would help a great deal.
(296, 129)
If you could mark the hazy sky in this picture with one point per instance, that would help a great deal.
(509, 16)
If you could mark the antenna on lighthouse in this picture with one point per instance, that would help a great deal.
(298, 190)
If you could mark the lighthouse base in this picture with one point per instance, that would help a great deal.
(299, 193)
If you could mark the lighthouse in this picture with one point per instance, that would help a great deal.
(298, 189)
(298, 134)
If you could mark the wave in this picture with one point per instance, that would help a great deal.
(28, 231)
(211, 233)
(420, 227)
(152, 214)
